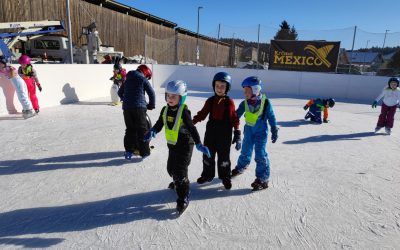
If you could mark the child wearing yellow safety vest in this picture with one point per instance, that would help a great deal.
(257, 110)
(181, 136)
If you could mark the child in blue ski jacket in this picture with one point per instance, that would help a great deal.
(257, 110)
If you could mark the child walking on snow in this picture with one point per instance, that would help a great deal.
(118, 79)
(257, 111)
(28, 73)
(181, 136)
(391, 99)
(218, 136)
(19, 85)
(135, 107)
(316, 107)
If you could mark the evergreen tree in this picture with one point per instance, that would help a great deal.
(286, 32)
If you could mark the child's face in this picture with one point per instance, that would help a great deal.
(23, 66)
(220, 88)
(2, 65)
(172, 99)
(393, 85)
(248, 93)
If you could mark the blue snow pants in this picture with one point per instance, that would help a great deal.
(255, 137)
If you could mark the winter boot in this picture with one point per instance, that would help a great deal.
(27, 113)
(182, 190)
(236, 172)
(37, 111)
(171, 186)
(202, 180)
(259, 185)
(388, 131)
(128, 155)
(227, 183)
(182, 204)
(377, 129)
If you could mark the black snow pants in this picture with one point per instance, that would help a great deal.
(136, 126)
(179, 158)
(218, 139)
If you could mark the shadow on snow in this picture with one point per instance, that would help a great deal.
(101, 159)
(89, 215)
(324, 138)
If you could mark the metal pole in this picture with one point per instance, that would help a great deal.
(366, 47)
(197, 40)
(71, 54)
(384, 39)
(258, 44)
(216, 54)
(352, 47)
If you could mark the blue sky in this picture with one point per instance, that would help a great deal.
(313, 19)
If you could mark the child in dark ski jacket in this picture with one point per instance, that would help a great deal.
(257, 110)
(316, 107)
(181, 136)
(135, 106)
(220, 109)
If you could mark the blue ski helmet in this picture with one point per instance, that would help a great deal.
(225, 77)
(177, 87)
(254, 83)
(393, 79)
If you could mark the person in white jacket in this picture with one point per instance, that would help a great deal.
(391, 100)
(21, 90)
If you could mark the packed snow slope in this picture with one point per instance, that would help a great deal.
(65, 185)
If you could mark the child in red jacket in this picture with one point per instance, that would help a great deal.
(218, 136)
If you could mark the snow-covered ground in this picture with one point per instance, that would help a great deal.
(65, 185)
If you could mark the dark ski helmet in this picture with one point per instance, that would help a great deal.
(145, 70)
(254, 83)
(330, 102)
(3, 60)
(225, 77)
(393, 79)
(118, 66)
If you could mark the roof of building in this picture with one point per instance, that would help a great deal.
(363, 57)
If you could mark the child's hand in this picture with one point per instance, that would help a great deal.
(237, 139)
(374, 104)
(39, 86)
(150, 134)
(274, 132)
(203, 149)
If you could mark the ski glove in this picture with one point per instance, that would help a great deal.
(150, 134)
(203, 149)
(150, 107)
(274, 132)
(39, 86)
(237, 139)
(374, 104)
(305, 107)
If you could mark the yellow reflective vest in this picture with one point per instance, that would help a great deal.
(171, 135)
(251, 118)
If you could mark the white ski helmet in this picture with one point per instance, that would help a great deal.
(177, 87)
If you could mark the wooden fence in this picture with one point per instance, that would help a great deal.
(123, 31)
